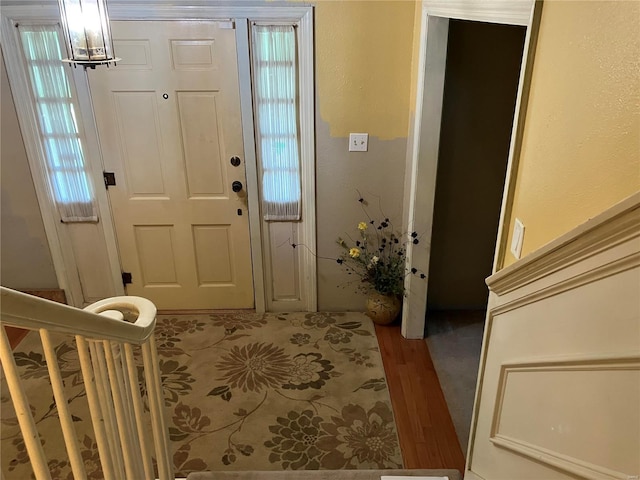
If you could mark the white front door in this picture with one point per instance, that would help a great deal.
(168, 117)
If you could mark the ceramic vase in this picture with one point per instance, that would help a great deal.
(383, 309)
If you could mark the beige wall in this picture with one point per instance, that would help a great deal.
(25, 258)
(581, 144)
(363, 59)
(363, 75)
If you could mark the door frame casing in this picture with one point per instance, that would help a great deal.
(303, 19)
(121, 10)
(423, 160)
(58, 237)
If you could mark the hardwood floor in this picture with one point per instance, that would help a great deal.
(427, 435)
(15, 335)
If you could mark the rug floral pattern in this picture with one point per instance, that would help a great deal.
(242, 392)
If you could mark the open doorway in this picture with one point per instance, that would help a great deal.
(480, 89)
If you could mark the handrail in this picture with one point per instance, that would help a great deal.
(110, 373)
(27, 311)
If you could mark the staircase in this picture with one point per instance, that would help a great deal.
(105, 343)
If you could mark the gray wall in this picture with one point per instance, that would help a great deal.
(481, 79)
(25, 259)
(378, 175)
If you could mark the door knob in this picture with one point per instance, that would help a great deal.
(236, 186)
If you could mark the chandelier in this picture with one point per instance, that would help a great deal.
(87, 32)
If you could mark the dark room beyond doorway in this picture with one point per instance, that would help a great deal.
(481, 82)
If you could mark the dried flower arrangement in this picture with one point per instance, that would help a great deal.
(378, 256)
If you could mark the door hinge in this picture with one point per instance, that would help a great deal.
(126, 278)
(109, 179)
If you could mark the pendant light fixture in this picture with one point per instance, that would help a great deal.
(87, 32)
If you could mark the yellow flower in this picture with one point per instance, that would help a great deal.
(362, 226)
(354, 252)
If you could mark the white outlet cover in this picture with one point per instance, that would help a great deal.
(358, 142)
(518, 238)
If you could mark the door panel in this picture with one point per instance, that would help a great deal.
(153, 242)
(215, 265)
(136, 115)
(198, 115)
(168, 116)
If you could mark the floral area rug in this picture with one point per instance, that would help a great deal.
(242, 392)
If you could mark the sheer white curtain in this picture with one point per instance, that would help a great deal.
(276, 104)
(59, 131)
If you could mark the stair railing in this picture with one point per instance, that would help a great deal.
(105, 341)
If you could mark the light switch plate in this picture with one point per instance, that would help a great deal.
(518, 238)
(358, 142)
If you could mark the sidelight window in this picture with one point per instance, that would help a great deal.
(275, 80)
(58, 123)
